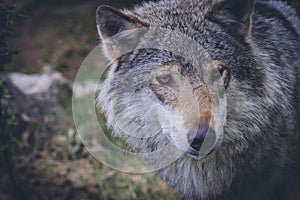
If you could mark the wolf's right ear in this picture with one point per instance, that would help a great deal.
(111, 22)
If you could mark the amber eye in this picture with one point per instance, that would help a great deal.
(165, 79)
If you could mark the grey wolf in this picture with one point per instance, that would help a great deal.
(254, 45)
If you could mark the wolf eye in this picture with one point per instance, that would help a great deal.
(166, 79)
(216, 73)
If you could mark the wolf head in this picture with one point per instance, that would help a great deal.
(148, 85)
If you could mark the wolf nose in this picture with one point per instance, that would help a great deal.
(196, 138)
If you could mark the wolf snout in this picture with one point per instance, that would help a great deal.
(196, 138)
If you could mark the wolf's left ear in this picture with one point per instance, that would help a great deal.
(233, 15)
(110, 22)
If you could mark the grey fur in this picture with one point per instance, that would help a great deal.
(261, 136)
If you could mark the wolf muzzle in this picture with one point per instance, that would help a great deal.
(196, 138)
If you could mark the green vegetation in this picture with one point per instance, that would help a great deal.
(8, 142)
(8, 18)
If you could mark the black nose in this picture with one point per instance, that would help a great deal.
(196, 138)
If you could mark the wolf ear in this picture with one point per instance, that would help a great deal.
(111, 22)
(233, 15)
